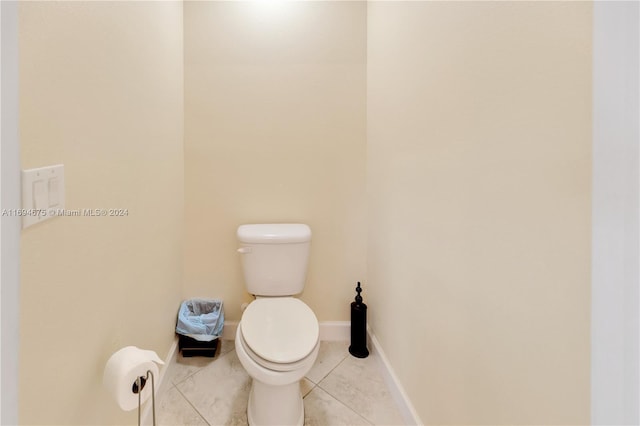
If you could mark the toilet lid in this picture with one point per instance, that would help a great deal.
(281, 329)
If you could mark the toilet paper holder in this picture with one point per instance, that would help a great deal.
(138, 386)
(127, 372)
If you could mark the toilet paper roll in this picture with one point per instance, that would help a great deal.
(122, 370)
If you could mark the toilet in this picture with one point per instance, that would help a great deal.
(277, 339)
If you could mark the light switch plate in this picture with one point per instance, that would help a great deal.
(42, 194)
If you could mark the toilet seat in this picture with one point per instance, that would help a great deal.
(274, 366)
(279, 331)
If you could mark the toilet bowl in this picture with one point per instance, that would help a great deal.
(277, 343)
(277, 339)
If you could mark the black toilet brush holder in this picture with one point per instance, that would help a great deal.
(358, 346)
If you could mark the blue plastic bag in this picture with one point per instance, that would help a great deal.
(201, 319)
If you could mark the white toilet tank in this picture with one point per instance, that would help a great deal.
(274, 257)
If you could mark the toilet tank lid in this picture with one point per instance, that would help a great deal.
(274, 233)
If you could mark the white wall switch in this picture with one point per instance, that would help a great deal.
(39, 193)
(42, 194)
(54, 191)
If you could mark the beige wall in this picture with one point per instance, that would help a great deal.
(478, 182)
(101, 92)
(275, 132)
(479, 157)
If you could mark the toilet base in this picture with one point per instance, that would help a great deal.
(275, 405)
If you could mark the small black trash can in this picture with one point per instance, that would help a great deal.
(199, 326)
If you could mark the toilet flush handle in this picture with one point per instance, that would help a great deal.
(244, 250)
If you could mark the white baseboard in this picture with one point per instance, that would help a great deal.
(335, 330)
(407, 410)
(171, 354)
(229, 330)
(329, 330)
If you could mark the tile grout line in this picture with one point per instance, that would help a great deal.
(345, 405)
(175, 385)
(315, 385)
(187, 377)
(192, 406)
(199, 369)
(330, 371)
(338, 399)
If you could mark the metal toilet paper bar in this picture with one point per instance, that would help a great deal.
(137, 388)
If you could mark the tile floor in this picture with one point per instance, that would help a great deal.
(339, 390)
